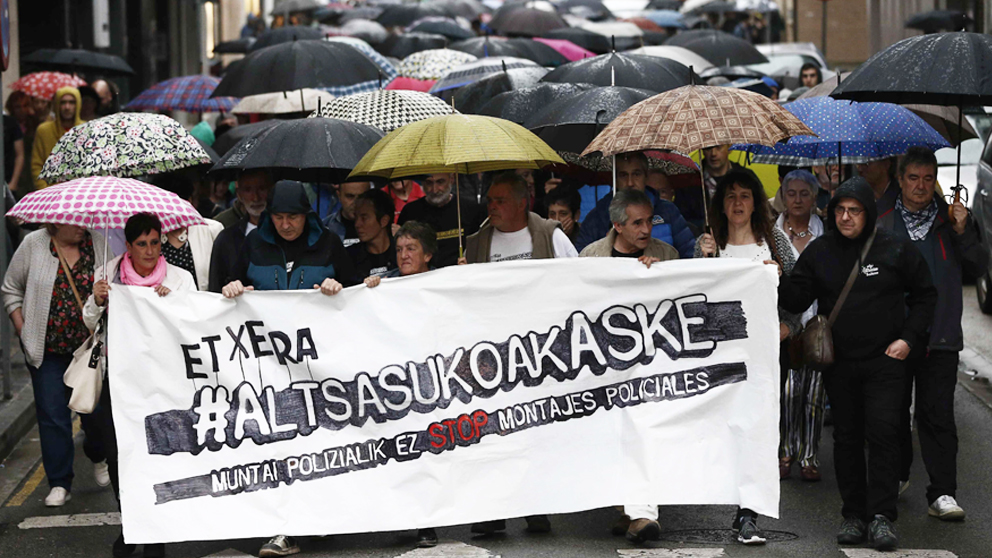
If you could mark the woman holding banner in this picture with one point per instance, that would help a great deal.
(142, 265)
(742, 228)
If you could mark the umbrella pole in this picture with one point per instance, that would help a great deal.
(957, 180)
(303, 103)
(458, 206)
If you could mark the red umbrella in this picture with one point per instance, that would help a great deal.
(568, 49)
(411, 84)
(43, 85)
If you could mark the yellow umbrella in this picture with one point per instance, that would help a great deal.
(455, 143)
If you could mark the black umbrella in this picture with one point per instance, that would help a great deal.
(445, 27)
(77, 60)
(361, 12)
(296, 65)
(292, 6)
(600, 44)
(718, 7)
(524, 21)
(288, 34)
(401, 15)
(309, 149)
(674, 5)
(654, 38)
(593, 10)
(468, 9)
(570, 124)
(237, 46)
(470, 98)
(939, 20)
(519, 105)
(230, 138)
(487, 47)
(401, 46)
(538, 52)
(731, 72)
(627, 70)
(721, 49)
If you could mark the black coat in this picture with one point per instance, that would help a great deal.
(224, 258)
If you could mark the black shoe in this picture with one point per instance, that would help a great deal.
(489, 527)
(154, 551)
(538, 524)
(426, 538)
(641, 530)
(748, 532)
(122, 549)
(881, 535)
(852, 531)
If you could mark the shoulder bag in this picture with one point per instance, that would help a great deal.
(85, 373)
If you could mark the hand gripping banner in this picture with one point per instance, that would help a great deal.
(460, 395)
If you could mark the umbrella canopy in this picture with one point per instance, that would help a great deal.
(731, 72)
(667, 163)
(569, 50)
(230, 138)
(287, 7)
(410, 84)
(77, 60)
(457, 143)
(472, 97)
(589, 40)
(939, 20)
(465, 74)
(593, 10)
(441, 26)
(666, 18)
(401, 46)
(285, 102)
(707, 7)
(540, 53)
(385, 110)
(189, 93)
(695, 117)
(432, 64)
(571, 123)
(644, 24)
(309, 149)
(468, 9)
(721, 49)
(527, 22)
(297, 65)
(360, 13)
(674, 5)
(366, 30)
(388, 70)
(519, 105)
(859, 132)
(402, 15)
(622, 35)
(237, 46)
(104, 202)
(681, 55)
(43, 85)
(123, 144)
(947, 121)
(941, 69)
(214, 157)
(628, 70)
(286, 34)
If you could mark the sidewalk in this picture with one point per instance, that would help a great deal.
(16, 414)
(975, 375)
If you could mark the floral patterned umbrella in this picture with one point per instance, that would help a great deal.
(101, 202)
(43, 85)
(123, 144)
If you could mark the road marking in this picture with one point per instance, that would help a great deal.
(670, 552)
(29, 487)
(907, 553)
(229, 553)
(446, 549)
(77, 520)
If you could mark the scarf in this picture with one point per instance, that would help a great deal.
(917, 224)
(131, 277)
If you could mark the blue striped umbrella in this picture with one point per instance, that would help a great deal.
(188, 93)
(858, 132)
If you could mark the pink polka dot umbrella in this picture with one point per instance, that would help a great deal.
(103, 202)
(44, 84)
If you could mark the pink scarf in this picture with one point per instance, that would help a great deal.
(131, 277)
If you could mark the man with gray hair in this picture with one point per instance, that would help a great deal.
(631, 213)
(439, 208)
(513, 232)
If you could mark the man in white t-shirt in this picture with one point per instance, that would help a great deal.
(513, 232)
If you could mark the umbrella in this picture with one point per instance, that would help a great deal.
(410, 84)
(230, 138)
(401, 46)
(569, 50)
(214, 157)
(472, 97)
(668, 163)
(622, 35)
(441, 26)
(628, 70)
(388, 70)
(104, 202)
(402, 15)
(189, 93)
(360, 13)
(681, 55)
(368, 31)
(528, 49)
(666, 18)
(731, 72)
(237, 46)
(286, 34)
(320, 150)
(644, 24)
(287, 7)
(285, 102)
(520, 104)
(468, 9)
(763, 6)
(527, 22)
(718, 47)
(947, 121)
(432, 64)
(755, 85)
(674, 5)
(858, 132)
(465, 74)
(76, 60)
(386, 110)
(939, 20)
(571, 123)
(43, 85)
(592, 10)
(707, 7)
(297, 65)
(589, 40)
(123, 144)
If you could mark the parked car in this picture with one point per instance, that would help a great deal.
(981, 209)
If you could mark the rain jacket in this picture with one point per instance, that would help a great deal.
(669, 226)
(49, 133)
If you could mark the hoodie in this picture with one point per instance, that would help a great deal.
(892, 298)
(49, 133)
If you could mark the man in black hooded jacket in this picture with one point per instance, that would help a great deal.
(887, 312)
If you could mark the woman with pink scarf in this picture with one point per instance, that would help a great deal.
(142, 265)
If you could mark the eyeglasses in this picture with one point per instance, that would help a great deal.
(852, 211)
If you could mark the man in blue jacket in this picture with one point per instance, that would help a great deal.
(668, 224)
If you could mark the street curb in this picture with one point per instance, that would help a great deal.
(975, 375)
(16, 418)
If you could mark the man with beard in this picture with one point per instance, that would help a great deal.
(439, 209)
(252, 191)
(67, 106)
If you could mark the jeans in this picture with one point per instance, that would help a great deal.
(935, 374)
(867, 398)
(51, 400)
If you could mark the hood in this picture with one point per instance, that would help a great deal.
(290, 196)
(856, 188)
(79, 106)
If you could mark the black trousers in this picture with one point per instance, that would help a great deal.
(867, 401)
(103, 416)
(935, 374)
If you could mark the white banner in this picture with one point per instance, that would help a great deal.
(465, 394)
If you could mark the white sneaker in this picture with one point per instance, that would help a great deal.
(279, 545)
(101, 473)
(946, 508)
(57, 497)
